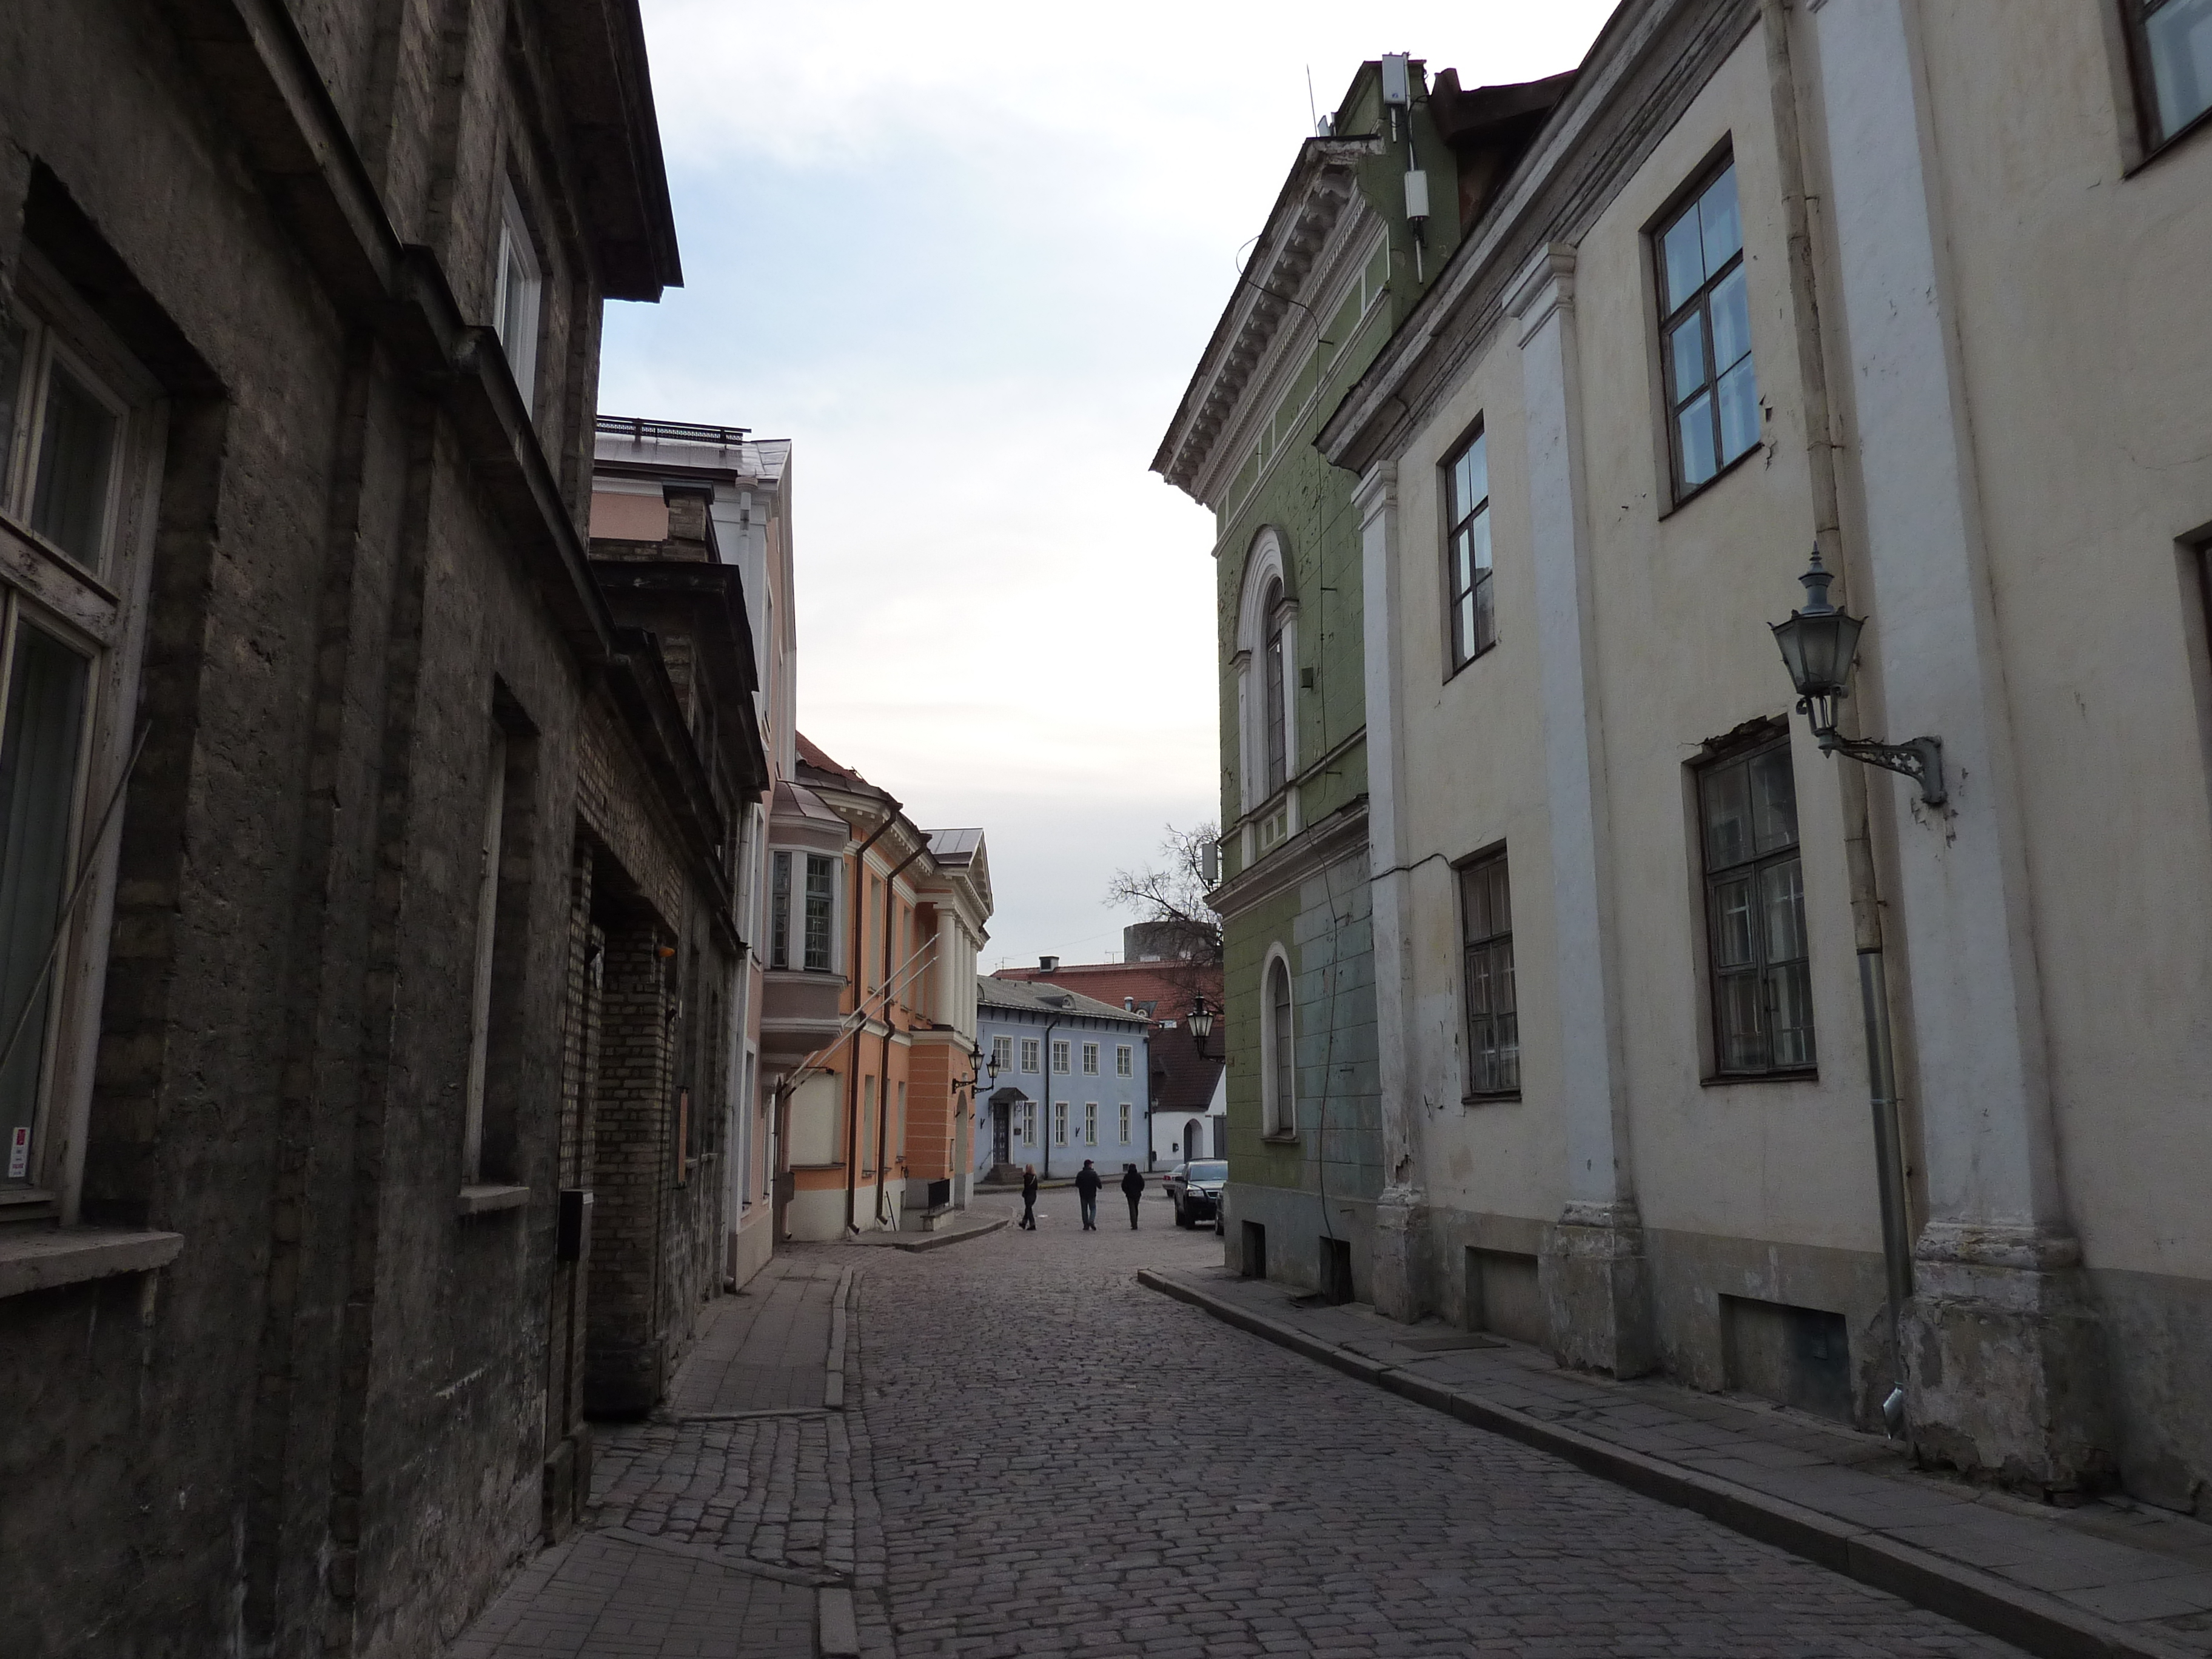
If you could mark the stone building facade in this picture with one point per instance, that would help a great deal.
(400, 836)
(1704, 1047)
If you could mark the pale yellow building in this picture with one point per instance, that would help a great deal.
(1922, 285)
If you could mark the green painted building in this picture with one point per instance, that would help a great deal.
(1371, 208)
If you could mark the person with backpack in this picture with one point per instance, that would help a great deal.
(1133, 1188)
(1087, 1183)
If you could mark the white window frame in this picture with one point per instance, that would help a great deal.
(1060, 1123)
(98, 608)
(1125, 1063)
(1062, 1052)
(1029, 1123)
(1032, 1055)
(1125, 1123)
(1265, 563)
(1002, 1055)
(1090, 1060)
(517, 312)
(1279, 1117)
(1090, 1123)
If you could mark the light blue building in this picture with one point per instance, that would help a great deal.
(1071, 1082)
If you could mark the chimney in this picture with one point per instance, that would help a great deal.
(1129, 1005)
(1048, 964)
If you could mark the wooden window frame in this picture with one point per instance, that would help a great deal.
(1458, 517)
(1493, 943)
(1090, 1060)
(2150, 130)
(1274, 704)
(1757, 863)
(1673, 319)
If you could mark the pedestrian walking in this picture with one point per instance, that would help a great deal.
(1087, 1183)
(1133, 1188)
(1028, 1196)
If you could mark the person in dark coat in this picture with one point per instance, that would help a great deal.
(1087, 1184)
(1028, 1196)
(1133, 1188)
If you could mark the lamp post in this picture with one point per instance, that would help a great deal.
(1201, 1025)
(1818, 644)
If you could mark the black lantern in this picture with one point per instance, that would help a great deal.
(1201, 1025)
(1819, 644)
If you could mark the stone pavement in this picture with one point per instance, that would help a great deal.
(2104, 1578)
(725, 1526)
(1071, 1464)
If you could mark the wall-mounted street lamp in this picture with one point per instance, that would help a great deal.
(979, 1070)
(1818, 644)
(1201, 1025)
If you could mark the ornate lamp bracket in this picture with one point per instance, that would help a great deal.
(1921, 760)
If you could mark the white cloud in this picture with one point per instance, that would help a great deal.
(966, 256)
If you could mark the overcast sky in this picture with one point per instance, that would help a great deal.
(966, 255)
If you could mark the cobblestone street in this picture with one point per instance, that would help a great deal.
(1068, 1464)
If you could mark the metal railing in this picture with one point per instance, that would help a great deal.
(638, 429)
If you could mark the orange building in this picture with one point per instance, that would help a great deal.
(868, 1027)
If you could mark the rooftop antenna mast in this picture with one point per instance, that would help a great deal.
(1319, 126)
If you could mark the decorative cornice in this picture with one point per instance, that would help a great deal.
(1544, 286)
(1321, 184)
(1342, 833)
(1376, 492)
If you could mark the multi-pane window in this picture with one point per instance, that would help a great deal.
(1029, 1123)
(2171, 42)
(1029, 1054)
(1125, 1123)
(1274, 718)
(1755, 914)
(1712, 394)
(1060, 1058)
(1467, 552)
(1090, 1060)
(821, 900)
(1060, 1123)
(1002, 1053)
(816, 906)
(1090, 1124)
(1493, 1018)
(1279, 1074)
(1125, 1061)
(72, 431)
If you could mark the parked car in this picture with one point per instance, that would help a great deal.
(1195, 1187)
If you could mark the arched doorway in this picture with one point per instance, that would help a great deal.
(1006, 1108)
(1193, 1139)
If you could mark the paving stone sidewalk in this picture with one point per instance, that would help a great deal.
(2107, 1578)
(724, 1527)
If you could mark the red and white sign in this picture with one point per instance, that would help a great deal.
(19, 1153)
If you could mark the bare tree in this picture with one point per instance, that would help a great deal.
(1173, 892)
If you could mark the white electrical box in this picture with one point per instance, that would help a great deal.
(1397, 82)
(1417, 196)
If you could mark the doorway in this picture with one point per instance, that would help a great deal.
(1002, 1133)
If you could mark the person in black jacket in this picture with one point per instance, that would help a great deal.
(1028, 1196)
(1087, 1184)
(1133, 1188)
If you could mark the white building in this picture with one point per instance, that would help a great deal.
(1923, 286)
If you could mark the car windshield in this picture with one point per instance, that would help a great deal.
(1218, 1170)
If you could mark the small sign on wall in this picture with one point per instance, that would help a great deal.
(18, 1152)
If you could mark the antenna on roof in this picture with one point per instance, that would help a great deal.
(1321, 127)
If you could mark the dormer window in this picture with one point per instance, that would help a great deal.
(514, 304)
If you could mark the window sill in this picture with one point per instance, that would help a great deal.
(1729, 1079)
(1453, 671)
(1507, 1098)
(2153, 154)
(1281, 1138)
(46, 1258)
(1683, 499)
(482, 1200)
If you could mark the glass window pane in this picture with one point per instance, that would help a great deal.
(2179, 35)
(1782, 897)
(1682, 253)
(1732, 925)
(1773, 801)
(76, 444)
(1743, 1049)
(1685, 357)
(1696, 425)
(46, 696)
(1475, 473)
(1789, 995)
(1462, 561)
(1716, 212)
(1486, 615)
(1728, 817)
(1465, 640)
(1478, 540)
(11, 387)
(1739, 410)
(1731, 306)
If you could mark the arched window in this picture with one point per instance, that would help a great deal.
(1278, 752)
(1278, 1073)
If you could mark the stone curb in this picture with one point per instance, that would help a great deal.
(2042, 1624)
(938, 1241)
(715, 1557)
(833, 1362)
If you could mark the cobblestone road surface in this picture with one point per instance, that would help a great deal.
(1063, 1462)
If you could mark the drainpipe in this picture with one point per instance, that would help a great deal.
(883, 1095)
(1051, 1026)
(852, 1072)
(1858, 846)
